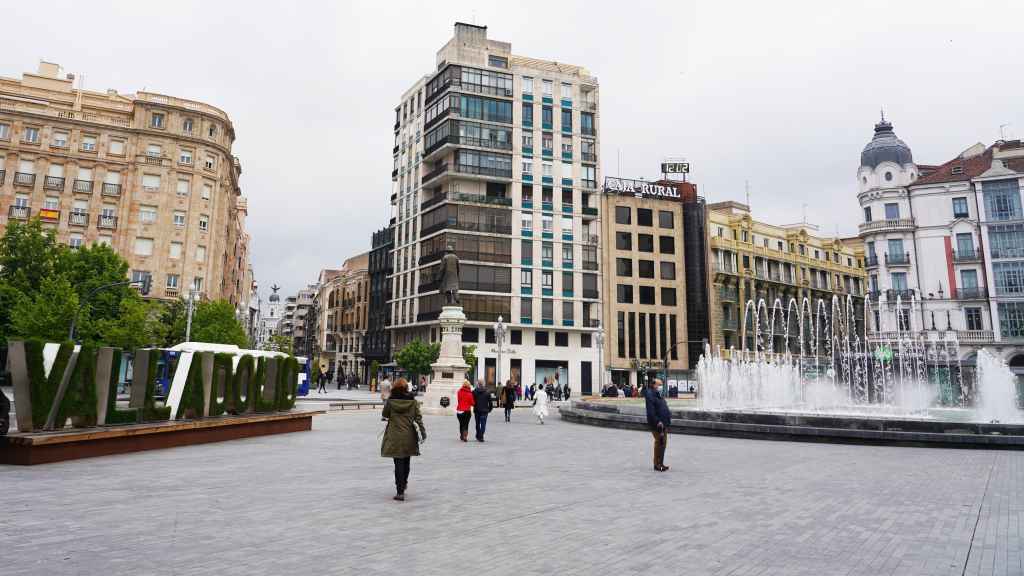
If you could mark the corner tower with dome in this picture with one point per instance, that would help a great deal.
(928, 237)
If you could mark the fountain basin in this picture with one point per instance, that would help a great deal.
(805, 426)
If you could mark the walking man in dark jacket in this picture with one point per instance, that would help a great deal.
(482, 405)
(659, 419)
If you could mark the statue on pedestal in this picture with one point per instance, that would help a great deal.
(450, 278)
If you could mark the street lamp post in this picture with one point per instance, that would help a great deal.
(499, 337)
(599, 336)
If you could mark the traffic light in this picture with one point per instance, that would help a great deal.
(147, 283)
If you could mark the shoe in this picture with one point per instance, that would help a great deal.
(661, 468)
(399, 497)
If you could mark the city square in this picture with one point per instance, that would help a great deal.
(560, 498)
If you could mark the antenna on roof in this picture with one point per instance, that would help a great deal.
(746, 186)
(882, 110)
(1002, 131)
(805, 213)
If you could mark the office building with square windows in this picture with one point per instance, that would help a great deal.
(495, 157)
(949, 236)
(652, 282)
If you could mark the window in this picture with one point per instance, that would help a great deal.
(587, 123)
(668, 270)
(150, 182)
(548, 87)
(895, 249)
(644, 217)
(585, 340)
(31, 135)
(175, 251)
(60, 139)
(527, 114)
(116, 147)
(526, 309)
(547, 117)
(547, 310)
(172, 281)
(1009, 278)
(156, 120)
(1002, 199)
(143, 246)
(647, 295)
(547, 251)
(665, 219)
(1006, 240)
(497, 61)
(526, 278)
(179, 218)
(1011, 319)
(147, 214)
(210, 162)
(185, 157)
(540, 338)
(527, 167)
(566, 120)
(51, 203)
(183, 187)
(888, 176)
(204, 223)
(154, 151)
(668, 296)
(186, 125)
(965, 244)
(567, 254)
(972, 319)
(546, 167)
(140, 276)
(5, 131)
(75, 240)
(547, 223)
(667, 244)
(969, 280)
(567, 316)
(624, 267)
(623, 215)
(516, 337)
(212, 131)
(527, 85)
(528, 141)
(197, 284)
(547, 279)
(645, 268)
(623, 241)
(566, 91)
(106, 240)
(200, 253)
(898, 280)
(960, 208)
(207, 190)
(624, 294)
(567, 282)
(892, 211)
(526, 221)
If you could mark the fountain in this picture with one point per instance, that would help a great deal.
(824, 361)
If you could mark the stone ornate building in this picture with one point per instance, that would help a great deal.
(344, 297)
(150, 175)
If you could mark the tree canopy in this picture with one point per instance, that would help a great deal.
(417, 356)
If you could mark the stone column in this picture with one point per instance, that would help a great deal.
(450, 369)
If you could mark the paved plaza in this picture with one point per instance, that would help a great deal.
(554, 499)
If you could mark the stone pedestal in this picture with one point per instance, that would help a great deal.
(450, 368)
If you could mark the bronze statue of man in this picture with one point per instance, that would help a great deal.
(450, 278)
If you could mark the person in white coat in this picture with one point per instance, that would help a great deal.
(540, 404)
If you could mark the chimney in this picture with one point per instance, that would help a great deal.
(48, 69)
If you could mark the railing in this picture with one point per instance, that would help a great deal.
(479, 199)
(590, 294)
(588, 157)
(78, 218)
(871, 260)
(591, 323)
(891, 295)
(434, 173)
(24, 179)
(971, 293)
(84, 186)
(154, 159)
(590, 211)
(968, 256)
(589, 183)
(19, 212)
(730, 324)
(111, 189)
(182, 103)
(897, 259)
(962, 336)
(728, 293)
(106, 221)
(725, 267)
(43, 110)
(482, 171)
(53, 183)
(589, 265)
(885, 225)
(170, 292)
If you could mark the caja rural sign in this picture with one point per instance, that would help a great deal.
(641, 189)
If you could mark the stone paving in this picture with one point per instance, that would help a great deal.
(554, 499)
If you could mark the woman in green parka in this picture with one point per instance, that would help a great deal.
(401, 443)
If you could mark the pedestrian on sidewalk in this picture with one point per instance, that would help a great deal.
(540, 404)
(385, 388)
(321, 382)
(482, 406)
(531, 391)
(463, 408)
(659, 419)
(401, 443)
(508, 399)
(519, 390)
(566, 391)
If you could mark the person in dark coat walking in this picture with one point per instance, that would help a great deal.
(659, 419)
(321, 382)
(508, 399)
(482, 406)
(402, 412)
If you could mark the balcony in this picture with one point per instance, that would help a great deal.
(107, 222)
(479, 199)
(971, 293)
(967, 256)
(897, 259)
(589, 183)
(871, 261)
(82, 186)
(727, 294)
(590, 212)
(895, 225)
(78, 219)
(730, 324)
(111, 189)
(154, 159)
(53, 183)
(904, 295)
(441, 169)
(24, 179)
(725, 268)
(19, 212)
(588, 157)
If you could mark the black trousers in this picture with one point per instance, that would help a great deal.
(508, 412)
(402, 473)
(464, 422)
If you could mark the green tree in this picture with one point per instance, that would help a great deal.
(47, 313)
(29, 253)
(212, 321)
(280, 343)
(416, 357)
(137, 325)
(469, 357)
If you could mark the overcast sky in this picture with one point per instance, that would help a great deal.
(781, 95)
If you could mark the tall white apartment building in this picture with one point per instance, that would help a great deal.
(949, 235)
(496, 158)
